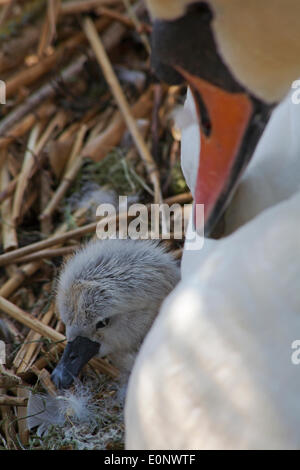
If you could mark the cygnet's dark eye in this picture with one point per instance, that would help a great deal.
(102, 323)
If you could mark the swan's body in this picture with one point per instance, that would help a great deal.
(215, 371)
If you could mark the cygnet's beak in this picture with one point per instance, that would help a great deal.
(76, 354)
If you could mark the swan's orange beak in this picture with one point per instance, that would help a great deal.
(231, 120)
(224, 120)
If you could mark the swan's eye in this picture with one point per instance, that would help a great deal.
(102, 323)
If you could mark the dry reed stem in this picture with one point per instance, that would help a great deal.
(32, 346)
(44, 330)
(7, 192)
(31, 322)
(23, 394)
(8, 429)
(18, 123)
(123, 104)
(98, 147)
(49, 26)
(29, 269)
(78, 232)
(25, 173)
(73, 166)
(71, 8)
(62, 189)
(51, 253)
(8, 380)
(76, 149)
(7, 400)
(18, 278)
(57, 121)
(31, 74)
(9, 235)
(18, 359)
(45, 379)
(115, 15)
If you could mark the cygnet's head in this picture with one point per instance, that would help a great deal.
(108, 295)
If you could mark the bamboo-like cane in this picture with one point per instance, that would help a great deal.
(57, 121)
(44, 330)
(9, 235)
(25, 173)
(98, 147)
(104, 62)
(23, 394)
(30, 75)
(7, 379)
(78, 232)
(76, 149)
(51, 253)
(29, 269)
(33, 345)
(57, 239)
(62, 188)
(19, 125)
(49, 26)
(71, 8)
(73, 166)
(13, 401)
(44, 377)
(18, 278)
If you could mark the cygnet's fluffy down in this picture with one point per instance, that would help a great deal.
(108, 295)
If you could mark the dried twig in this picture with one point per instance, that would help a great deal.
(111, 37)
(31, 346)
(71, 8)
(73, 167)
(23, 394)
(49, 26)
(76, 233)
(44, 330)
(9, 236)
(31, 74)
(21, 120)
(51, 253)
(44, 377)
(13, 401)
(99, 146)
(115, 15)
(118, 93)
(25, 173)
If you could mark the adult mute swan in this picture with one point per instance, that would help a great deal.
(216, 370)
(240, 59)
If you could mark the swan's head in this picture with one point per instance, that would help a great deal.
(239, 59)
(108, 296)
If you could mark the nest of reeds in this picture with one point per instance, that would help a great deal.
(84, 121)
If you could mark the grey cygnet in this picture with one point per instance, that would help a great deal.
(108, 296)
